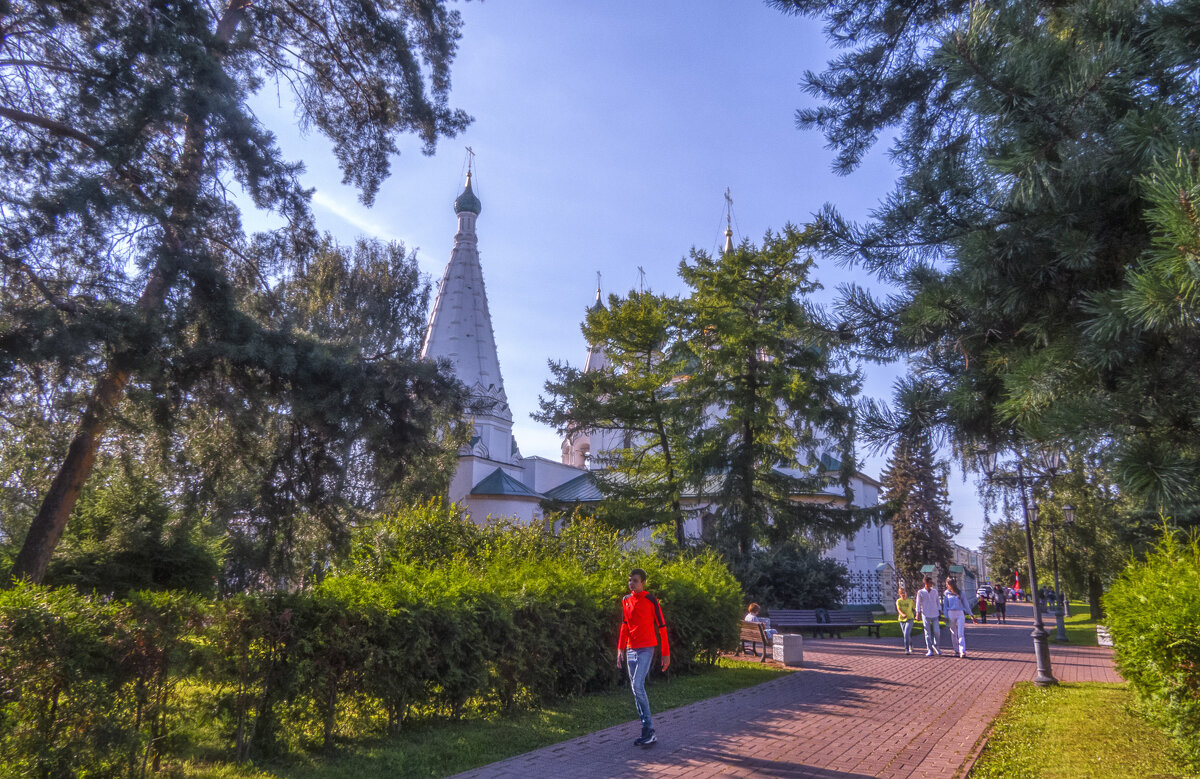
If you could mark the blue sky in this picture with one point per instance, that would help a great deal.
(606, 135)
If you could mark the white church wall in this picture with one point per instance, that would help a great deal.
(486, 508)
(542, 475)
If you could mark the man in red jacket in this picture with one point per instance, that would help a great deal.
(642, 628)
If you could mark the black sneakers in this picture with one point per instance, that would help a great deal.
(646, 740)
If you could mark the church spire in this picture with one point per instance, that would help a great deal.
(599, 299)
(728, 223)
(596, 358)
(460, 325)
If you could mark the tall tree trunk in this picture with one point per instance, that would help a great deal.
(51, 520)
(1094, 593)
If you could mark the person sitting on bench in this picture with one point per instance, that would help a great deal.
(752, 616)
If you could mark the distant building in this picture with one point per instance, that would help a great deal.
(969, 558)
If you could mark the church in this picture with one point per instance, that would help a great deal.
(494, 480)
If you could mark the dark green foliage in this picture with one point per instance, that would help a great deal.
(792, 576)
(918, 505)
(126, 271)
(89, 682)
(761, 353)
(477, 620)
(1153, 613)
(631, 402)
(733, 396)
(125, 538)
(1041, 237)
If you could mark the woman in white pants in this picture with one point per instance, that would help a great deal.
(957, 609)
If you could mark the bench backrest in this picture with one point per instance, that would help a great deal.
(753, 631)
(793, 617)
(842, 617)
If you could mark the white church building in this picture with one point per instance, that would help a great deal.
(494, 480)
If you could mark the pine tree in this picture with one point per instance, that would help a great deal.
(917, 503)
(125, 265)
(736, 393)
(770, 375)
(1038, 231)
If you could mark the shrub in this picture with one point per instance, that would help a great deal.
(87, 682)
(1153, 614)
(59, 667)
(702, 603)
(792, 576)
(463, 619)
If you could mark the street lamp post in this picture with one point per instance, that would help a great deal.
(989, 460)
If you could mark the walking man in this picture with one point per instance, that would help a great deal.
(928, 611)
(642, 628)
(1001, 602)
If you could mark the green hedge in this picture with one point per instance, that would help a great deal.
(465, 620)
(1153, 615)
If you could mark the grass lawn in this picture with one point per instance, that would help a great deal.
(443, 748)
(1075, 730)
(1081, 629)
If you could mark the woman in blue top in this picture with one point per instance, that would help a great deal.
(957, 609)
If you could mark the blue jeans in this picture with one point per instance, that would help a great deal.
(931, 631)
(906, 630)
(638, 662)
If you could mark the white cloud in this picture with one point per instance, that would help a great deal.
(353, 217)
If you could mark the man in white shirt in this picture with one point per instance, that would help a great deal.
(928, 611)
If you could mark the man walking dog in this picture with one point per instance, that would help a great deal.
(642, 628)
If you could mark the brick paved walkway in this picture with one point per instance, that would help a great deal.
(858, 708)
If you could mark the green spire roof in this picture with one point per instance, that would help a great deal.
(467, 200)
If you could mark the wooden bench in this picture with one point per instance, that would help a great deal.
(753, 633)
(796, 620)
(840, 620)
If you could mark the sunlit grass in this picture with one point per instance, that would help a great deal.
(1075, 730)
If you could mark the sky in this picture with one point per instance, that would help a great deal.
(605, 136)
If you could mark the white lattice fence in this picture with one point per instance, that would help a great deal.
(868, 587)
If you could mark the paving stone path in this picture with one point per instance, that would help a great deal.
(859, 707)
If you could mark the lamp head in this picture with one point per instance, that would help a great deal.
(989, 460)
(1068, 514)
(1052, 459)
(1033, 513)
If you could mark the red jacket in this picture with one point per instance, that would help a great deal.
(643, 623)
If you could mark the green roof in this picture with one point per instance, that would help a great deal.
(582, 488)
(830, 463)
(928, 568)
(500, 483)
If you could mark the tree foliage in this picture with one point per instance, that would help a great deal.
(735, 395)
(917, 503)
(1004, 548)
(1040, 233)
(770, 373)
(792, 575)
(632, 396)
(124, 267)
